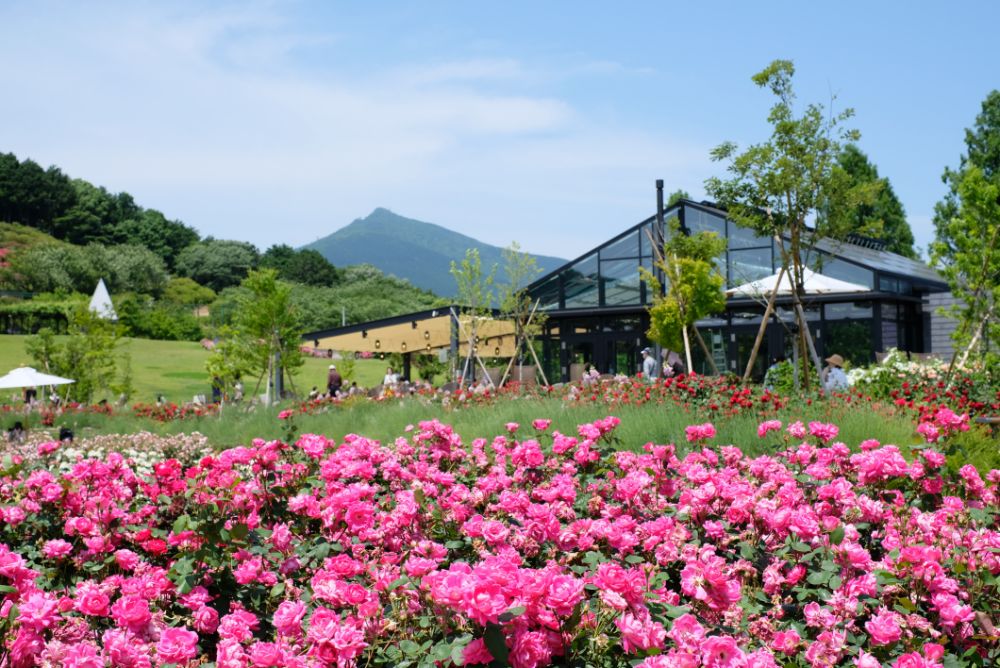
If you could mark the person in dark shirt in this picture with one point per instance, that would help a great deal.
(333, 381)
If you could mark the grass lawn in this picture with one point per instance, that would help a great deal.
(176, 369)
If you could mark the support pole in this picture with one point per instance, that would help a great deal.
(763, 326)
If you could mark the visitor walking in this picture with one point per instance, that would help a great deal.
(833, 377)
(333, 381)
(648, 365)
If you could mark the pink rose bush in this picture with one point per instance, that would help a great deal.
(552, 549)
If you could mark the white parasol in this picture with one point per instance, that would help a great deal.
(813, 283)
(25, 376)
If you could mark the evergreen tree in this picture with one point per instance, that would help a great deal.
(884, 217)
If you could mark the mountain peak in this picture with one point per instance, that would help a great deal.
(418, 251)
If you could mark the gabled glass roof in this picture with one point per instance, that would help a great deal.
(608, 276)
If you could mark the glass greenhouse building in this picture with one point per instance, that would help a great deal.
(596, 304)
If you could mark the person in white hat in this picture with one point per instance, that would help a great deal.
(648, 365)
(833, 377)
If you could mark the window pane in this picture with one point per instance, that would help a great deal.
(744, 237)
(548, 294)
(749, 265)
(848, 310)
(700, 221)
(852, 340)
(715, 339)
(888, 284)
(845, 271)
(621, 282)
(627, 246)
(580, 283)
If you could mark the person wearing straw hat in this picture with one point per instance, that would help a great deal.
(833, 377)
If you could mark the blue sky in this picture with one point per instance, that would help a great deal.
(545, 123)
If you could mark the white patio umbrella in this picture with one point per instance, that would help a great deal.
(25, 376)
(813, 283)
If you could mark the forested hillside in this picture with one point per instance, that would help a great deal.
(59, 235)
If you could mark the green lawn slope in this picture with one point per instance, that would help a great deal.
(176, 369)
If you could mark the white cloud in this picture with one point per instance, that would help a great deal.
(206, 116)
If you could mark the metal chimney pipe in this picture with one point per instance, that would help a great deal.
(659, 203)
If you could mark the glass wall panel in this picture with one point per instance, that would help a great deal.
(848, 310)
(744, 237)
(749, 265)
(715, 339)
(888, 284)
(645, 248)
(580, 285)
(548, 294)
(851, 339)
(845, 271)
(621, 282)
(697, 220)
(627, 246)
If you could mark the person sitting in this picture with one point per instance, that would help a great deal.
(313, 394)
(16, 434)
(390, 378)
(591, 375)
(833, 377)
(65, 434)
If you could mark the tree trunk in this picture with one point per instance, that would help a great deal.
(687, 347)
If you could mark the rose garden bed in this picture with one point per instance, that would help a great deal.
(534, 548)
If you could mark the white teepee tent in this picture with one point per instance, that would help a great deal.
(101, 304)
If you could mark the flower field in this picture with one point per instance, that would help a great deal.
(534, 548)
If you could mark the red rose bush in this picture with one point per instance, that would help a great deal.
(533, 549)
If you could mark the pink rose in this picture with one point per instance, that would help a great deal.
(92, 601)
(205, 619)
(288, 618)
(884, 627)
(56, 549)
(177, 645)
(131, 612)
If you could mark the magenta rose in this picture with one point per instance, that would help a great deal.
(177, 645)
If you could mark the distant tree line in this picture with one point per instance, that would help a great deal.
(59, 235)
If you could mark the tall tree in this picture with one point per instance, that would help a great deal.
(884, 217)
(694, 288)
(265, 335)
(306, 266)
(475, 293)
(970, 258)
(217, 263)
(778, 186)
(516, 305)
(982, 144)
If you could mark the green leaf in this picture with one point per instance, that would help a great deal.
(511, 614)
(799, 546)
(396, 584)
(837, 535)
(409, 648)
(496, 644)
(818, 577)
(634, 559)
(835, 582)
(277, 590)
